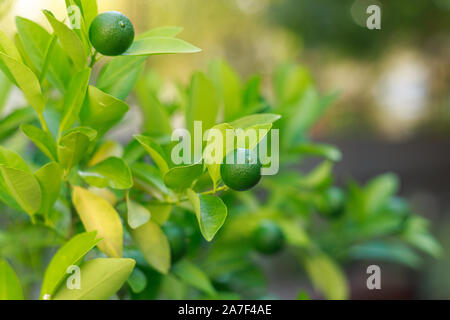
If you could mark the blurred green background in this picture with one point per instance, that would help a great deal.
(393, 113)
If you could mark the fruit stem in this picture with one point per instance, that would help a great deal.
(93, 59)
(182, 199)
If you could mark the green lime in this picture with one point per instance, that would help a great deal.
(245, 171)
(177, 240)
(268, 237)
(333, 202)
(111, 33)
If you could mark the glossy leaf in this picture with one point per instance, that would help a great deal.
(183, 176)
(138, 215)
(127, 69)
(105, 150)
(229, 87)
(69, 40)
(154, 246)
(212, 159)
(161, 32)
(102, 111)
(73, 146)
(155, 151)
(203, 103)
(42, 139)
(112, 172)
(254, 120)
(10, 288)
(71, 253)
(160, 212)
(27, 82)
(101, 278)
(156, 118)
(74, 98)
(49, 178)
(160, 45)
(211, 213)
(35, 40)
(23, 187)
(12, 121)
(98, 215)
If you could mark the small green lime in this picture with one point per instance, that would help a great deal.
(333, 202)
(177, 240)
(111, 33)
(245, 171)
(268, 238)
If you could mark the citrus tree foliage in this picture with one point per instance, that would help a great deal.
(137, 225)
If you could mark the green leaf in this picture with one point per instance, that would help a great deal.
(98, 215)
(90, 11)
(160, 212)
(203, 103)
(101, 278)
(72, 253)
(137, 280)
(127, 69)
(10, 288)
(213, 159)
(211, 213)
(49, 178)
(255, 120)
(155, 151)
(156, 118)
(228, 86)
(69, 40)
(300, 118)
(107, 149)
(35, 40)
(154, 246)
(192, 275)
(161, 32)
(182, 177)
(385, 251)
(102, 111)
(323, 150)
(290, 83)
(160, 45)
(12, 121)
(138, 215)
(26, 81)
(150, 176)
(42, 139)
(378, 191)
(112, 172)
(12, 160)
(326, 276)
(319, 177)
(73, 146)
(23, 187)
(7, 47)
(74, 98)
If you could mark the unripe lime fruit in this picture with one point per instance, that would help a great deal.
(245, 171)
(268, 238)
(111, 33)
(177, 240)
